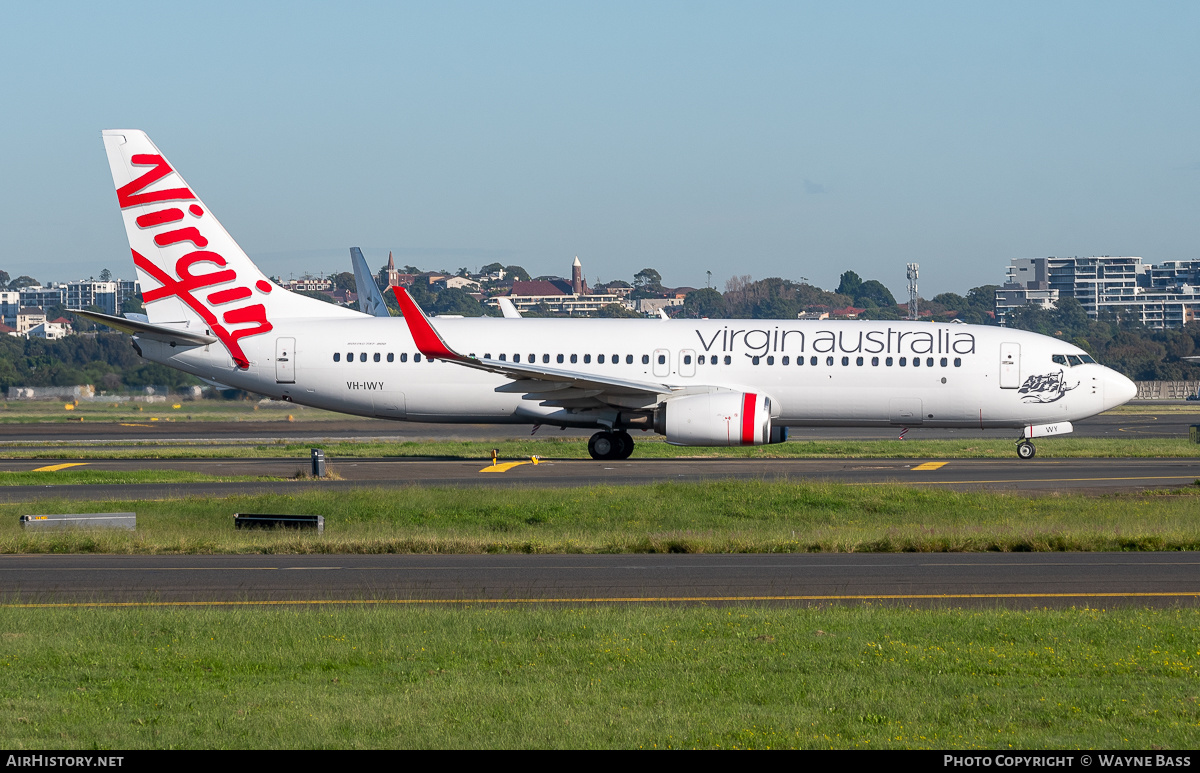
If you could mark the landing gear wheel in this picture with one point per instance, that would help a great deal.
(604, 446)
(626, 444)
(1025, 449)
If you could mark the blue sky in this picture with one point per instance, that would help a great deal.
(771, 139)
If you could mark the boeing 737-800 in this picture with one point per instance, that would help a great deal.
(212, 313)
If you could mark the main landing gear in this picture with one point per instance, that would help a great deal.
(1025, 449)
(610, 446)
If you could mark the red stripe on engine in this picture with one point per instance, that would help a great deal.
(748, 401)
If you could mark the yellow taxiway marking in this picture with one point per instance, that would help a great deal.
(503, 467)
(930, 466)
(57, 467)
(123, 424)
(614, 600)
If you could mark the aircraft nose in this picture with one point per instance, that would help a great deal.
(1118, 390)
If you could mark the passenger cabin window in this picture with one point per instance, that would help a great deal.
(560, 359)
(403, 356)
(645, 359)
(337, 356)
(574, 358)
(416, 358)
(376, 356)
(600, 359)
(587, 358)
(728, 360)
(629, 359)
(391, 357)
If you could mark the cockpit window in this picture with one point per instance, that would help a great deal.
(1074, 359)
(1087, 358)
(1059, 359)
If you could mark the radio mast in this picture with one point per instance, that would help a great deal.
(912, 290)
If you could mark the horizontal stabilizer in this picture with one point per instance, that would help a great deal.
(168, 335)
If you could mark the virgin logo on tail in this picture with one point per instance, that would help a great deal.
(185, 283)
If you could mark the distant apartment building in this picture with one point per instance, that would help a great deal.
(1162, 296)
(83, 294)
(307, 284)
(560, 296)
(10, 306)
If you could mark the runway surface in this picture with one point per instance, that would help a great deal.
(1166, 424)
(929, 580)
(1012, 475)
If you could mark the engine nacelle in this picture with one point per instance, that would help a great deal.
(717, 419)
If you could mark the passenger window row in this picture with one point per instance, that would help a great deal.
(377, 357)
(712, 359)
(888, 362)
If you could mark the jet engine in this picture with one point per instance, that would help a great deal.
(718, 419)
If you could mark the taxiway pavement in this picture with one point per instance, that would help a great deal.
(929, 580)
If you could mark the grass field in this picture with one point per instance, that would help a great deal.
(41, 411)
(392, 676)
(712, 517)
(601, 677)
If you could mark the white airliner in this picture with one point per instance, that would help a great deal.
(212, 313)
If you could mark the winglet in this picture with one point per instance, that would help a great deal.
(425, 337)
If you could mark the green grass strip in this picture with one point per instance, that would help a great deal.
(599, 677)
(710, 517)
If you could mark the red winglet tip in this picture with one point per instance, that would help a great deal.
(424, 336)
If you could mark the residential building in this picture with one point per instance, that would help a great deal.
(1159, 296)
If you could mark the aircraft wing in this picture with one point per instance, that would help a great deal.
(370, 300)
(142, 329)
(556, 385)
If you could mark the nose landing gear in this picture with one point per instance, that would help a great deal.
(1025, 449)
(610, 446)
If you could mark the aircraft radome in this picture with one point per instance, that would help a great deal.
(212, 313)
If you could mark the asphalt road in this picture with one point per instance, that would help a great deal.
(1165, 424)
(929, 580)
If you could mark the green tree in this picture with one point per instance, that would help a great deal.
(849, 284)
(705, 302)
(516, 273)
(871, 292)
